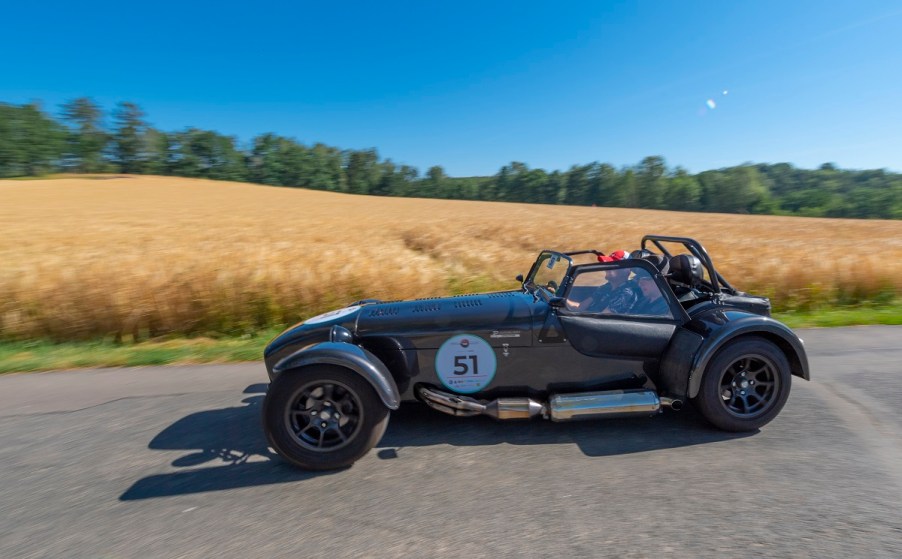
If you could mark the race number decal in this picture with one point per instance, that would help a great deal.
(332, 315)
(465, 363)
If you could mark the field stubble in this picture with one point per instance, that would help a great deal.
(131, 258)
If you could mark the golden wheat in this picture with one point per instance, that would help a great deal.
(148, 256)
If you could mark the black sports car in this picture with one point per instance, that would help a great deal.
(586, 336)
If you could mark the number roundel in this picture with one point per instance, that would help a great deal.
(465, 363)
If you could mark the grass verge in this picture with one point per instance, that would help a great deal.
(41, 355)
(844, 316)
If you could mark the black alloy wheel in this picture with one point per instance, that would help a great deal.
(748, 386)
(323, 417)
(745, 385)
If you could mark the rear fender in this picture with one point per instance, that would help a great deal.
(749, 325)
(349, 356)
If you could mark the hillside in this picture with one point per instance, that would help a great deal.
(145, 256)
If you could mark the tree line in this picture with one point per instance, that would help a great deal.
(82, 139)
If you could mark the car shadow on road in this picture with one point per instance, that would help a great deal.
(417, 425)
(229, 442)
(232, 440)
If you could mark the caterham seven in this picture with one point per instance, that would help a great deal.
(586, 335)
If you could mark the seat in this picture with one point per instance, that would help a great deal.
(685, 277)
(686, 269)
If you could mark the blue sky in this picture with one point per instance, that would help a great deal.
(472, 86)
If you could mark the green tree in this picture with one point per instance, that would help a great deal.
(607, 181)
(683, 192)
(650, 182)
(734, 190)
(157, 151)
(553, 189)
(31, 143)
(264, 163)
(326, 172)
(435, 184)
(578, 185)
(627, 190)
(363, 171)
(206, 154)
(87, 138)
(128, 138)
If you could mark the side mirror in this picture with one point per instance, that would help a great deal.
(519, 278)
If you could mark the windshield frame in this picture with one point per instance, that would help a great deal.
(560, 262)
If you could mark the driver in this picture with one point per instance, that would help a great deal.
(617, 295)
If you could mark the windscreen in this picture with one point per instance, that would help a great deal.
(549, 270)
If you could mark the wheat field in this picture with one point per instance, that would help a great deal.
(131, 258)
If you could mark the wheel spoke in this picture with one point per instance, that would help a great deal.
(325, 415)
(745, 404)
(309, 401)
(299, 415)
(754, 404)
(327, 391)
(345, 405)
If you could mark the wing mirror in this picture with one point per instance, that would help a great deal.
(519, 278)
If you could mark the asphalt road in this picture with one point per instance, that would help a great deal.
(171, 462)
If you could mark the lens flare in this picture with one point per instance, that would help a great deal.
(711, 104)
(726, 91)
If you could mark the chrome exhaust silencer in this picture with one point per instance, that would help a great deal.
(610, 403)
(561, 407)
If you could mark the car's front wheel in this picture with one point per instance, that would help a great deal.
(745, 385)
(323, 417)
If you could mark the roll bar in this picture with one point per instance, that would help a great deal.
(697, 250)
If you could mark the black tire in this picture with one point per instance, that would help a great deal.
(745, 385)
(323, 417)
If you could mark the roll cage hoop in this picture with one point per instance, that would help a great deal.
(697, 250)
(717, 282)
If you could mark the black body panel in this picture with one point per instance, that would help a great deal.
(504, 317)
(612, 336)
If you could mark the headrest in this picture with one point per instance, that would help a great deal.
(686, 268)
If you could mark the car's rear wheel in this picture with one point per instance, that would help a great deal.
(323, 417)
(745, 385)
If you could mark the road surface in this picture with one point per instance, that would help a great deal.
(171, 462)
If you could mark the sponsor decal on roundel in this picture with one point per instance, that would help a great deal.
(465, 363)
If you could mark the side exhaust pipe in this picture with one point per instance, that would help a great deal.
(462, 406)
(610, 403)
(561, 407)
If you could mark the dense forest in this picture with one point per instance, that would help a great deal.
(83, 139)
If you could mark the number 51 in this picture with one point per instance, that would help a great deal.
(461, 367)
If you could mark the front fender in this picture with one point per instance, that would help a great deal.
(350, 357)
(742, 324)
